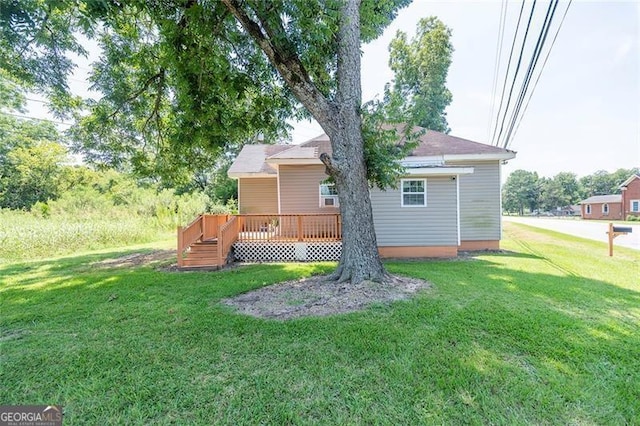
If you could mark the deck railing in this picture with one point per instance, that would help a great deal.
(227, 229)
(289, 227)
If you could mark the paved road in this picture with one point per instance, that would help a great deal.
(591, 229)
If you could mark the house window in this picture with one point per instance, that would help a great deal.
(328, 195)
(588, 209)
(605, 209)
(635, 206)
(414, 192)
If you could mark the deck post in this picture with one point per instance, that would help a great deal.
(220, 246)
(299, 228)
(179, 250)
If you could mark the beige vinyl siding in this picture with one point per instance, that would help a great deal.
(433, 225)
(480, 201)
(258, 195)
(300, 189)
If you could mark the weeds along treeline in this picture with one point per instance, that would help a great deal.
(104, 209)
(49, 206)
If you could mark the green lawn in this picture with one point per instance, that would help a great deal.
(545, 333)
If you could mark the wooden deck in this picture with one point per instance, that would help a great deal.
(207, 241)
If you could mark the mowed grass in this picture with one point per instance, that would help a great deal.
(546, 333)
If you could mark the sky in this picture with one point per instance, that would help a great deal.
(584, 115)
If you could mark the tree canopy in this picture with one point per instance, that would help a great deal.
(31, 156)
(184, 78)
(420, 67)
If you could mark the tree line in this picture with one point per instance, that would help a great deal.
(525, 191)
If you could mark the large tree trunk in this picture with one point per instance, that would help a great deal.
(360, 259)
(340, 118)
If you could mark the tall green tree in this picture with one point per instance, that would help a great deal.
(521, 191)
(421, 65)
(560, 191)
(189, 75)
(31, 162)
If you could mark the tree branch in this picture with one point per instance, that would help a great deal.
(145, 86)
(286, 62)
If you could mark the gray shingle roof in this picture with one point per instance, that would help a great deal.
(251, 159)
(598, 199)
(432, 144)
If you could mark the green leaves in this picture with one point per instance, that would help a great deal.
(386, 142)
(31, 158)
(421, 65)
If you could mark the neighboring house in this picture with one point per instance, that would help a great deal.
(449, 199)
(602, 207)
(614, 207)
(631, 196)
(573, 210)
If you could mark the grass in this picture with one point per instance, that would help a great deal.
(25, 236)
(547, 332)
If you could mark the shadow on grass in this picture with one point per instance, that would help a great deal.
(489, 344)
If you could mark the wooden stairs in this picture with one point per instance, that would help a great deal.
(201, 254)
(206, 242)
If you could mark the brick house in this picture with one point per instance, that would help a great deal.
(631, 196)
(614, 207)
(602, 207)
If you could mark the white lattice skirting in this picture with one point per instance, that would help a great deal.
(287, 251)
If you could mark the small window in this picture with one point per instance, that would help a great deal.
(328, 195)
(605, 209)
(635, 206)
(414, 192)
(588, 209)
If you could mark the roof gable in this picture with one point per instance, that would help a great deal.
(628, 181)
(250, 160)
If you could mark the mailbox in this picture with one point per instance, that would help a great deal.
(625, 229)
(616, 231)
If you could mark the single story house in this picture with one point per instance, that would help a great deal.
(616, 206)
(448, 200)
(602, 207)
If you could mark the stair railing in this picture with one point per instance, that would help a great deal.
(188, 235)
(227, 235)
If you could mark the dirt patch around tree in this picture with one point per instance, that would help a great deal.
(319, 296)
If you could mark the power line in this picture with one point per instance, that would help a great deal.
(504, 84)
(542, 37)
(553, 42)
(500, 39)
(35, 118)
(515, 76)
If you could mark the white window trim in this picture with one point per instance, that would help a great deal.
(402, 193)
(631, 206)
(587, 209)
(336, 201)
(605, 209)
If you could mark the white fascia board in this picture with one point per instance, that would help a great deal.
(439, 171)
(293, 161)
(408, 161)
(245, 175)
(458, 157)
(480, 157)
